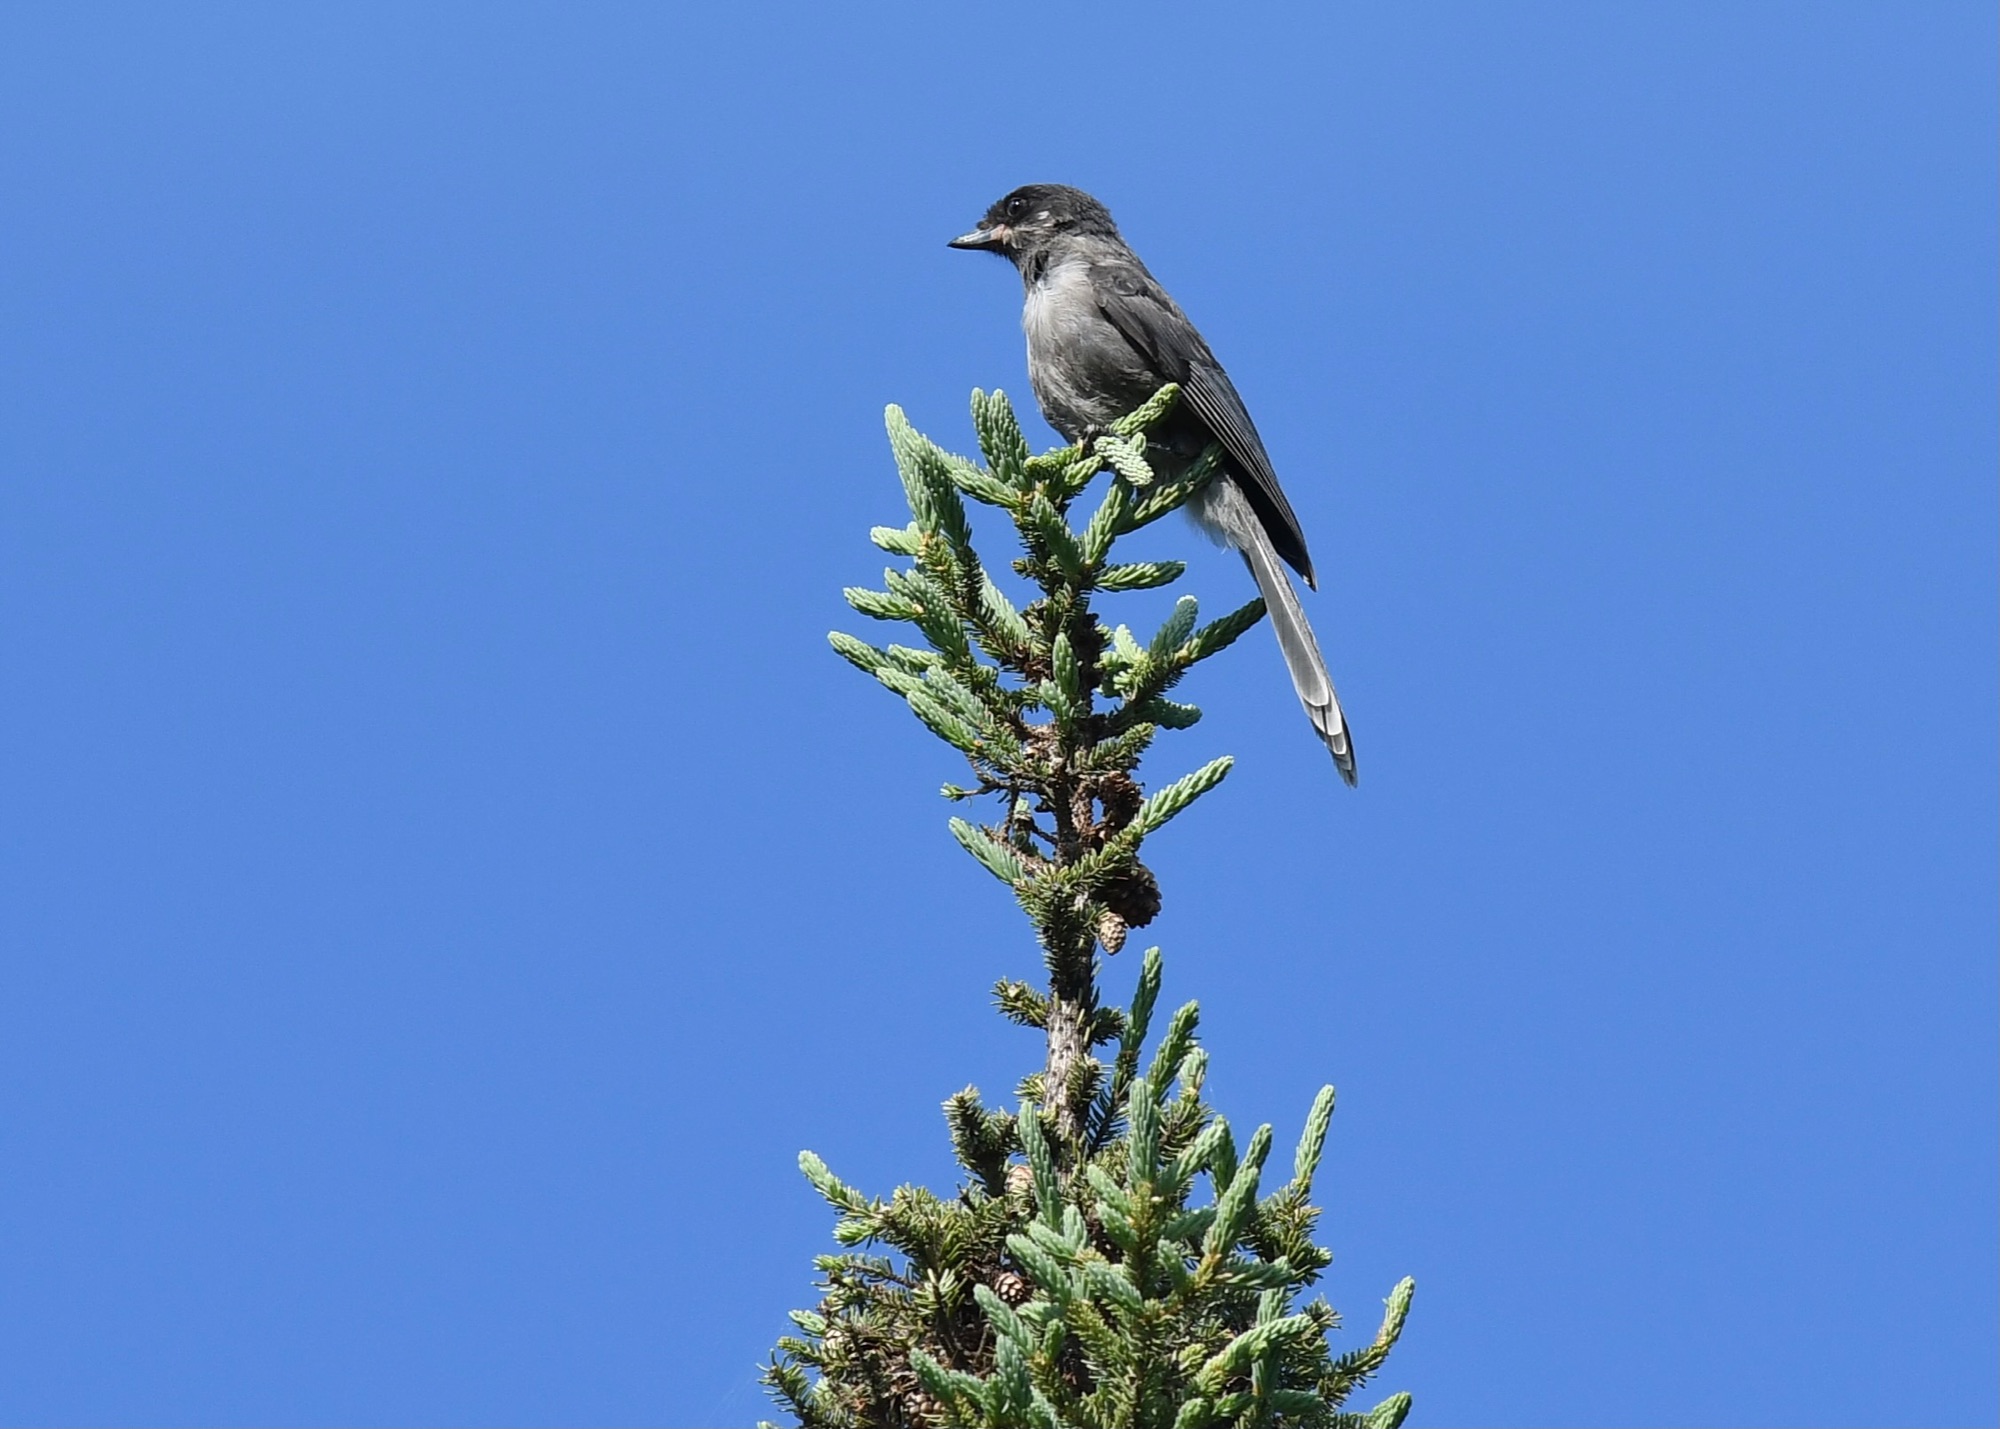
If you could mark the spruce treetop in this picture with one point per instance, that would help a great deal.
(1076, 1278)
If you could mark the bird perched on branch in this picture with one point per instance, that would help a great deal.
(1103, 336)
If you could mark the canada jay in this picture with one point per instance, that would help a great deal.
(1103, 336)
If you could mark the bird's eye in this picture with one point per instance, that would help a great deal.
(1016, 207)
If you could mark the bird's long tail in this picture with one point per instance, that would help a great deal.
(1301, 651)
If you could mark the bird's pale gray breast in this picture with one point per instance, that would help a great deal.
(1085, 374)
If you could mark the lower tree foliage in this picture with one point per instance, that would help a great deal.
(1111, 1260)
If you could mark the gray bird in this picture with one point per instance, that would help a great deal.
(1103, 336)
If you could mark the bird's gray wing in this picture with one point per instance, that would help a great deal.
(1148, 319)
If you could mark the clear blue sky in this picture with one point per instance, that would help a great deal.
(446, 878)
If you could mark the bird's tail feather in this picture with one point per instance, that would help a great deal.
(1301, 651)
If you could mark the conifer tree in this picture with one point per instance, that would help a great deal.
(1079, 1277)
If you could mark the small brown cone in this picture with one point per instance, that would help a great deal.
(1133, 896)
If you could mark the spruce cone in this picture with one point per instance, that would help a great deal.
(1012, 1288)
(1119, 798)
(1133, 897)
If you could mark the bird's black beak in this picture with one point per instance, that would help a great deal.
(991, 240)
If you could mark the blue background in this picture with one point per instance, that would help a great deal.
(447, 878)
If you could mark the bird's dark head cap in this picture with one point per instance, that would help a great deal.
(1033, 216)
